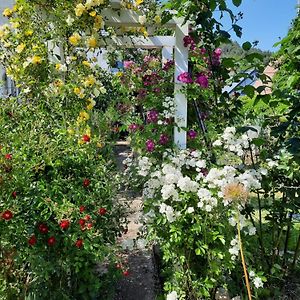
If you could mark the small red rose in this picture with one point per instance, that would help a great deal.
(86, 182)
(79, 243)
(7, 215)
(43, 228)
(119, 266)
(64, 224)
(86, 138)
(89, 225)
(82, 208)
(102, 211)
(32, 241)
(14, 194)
(8, 156)
(81, 222)
(126, 273)
(87, 217)
(51, 241)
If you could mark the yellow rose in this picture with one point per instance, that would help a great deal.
(91, 104)
(157, 19)
(138, 2)
(90, 81)
(93, 13)
(36, 60)
(74, 39)
(20, 48)
(84, 116)
(7, 12)
(79, 10)
(29, 32)
(91, 42)
(86, 63)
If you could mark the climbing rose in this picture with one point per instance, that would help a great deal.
(192, 134)
(102, 211)
(86, 182)
(152, 116)
(51, 241)
(64, 224)
(150, 145)
(43, 228)
(79, 243)
(86, 138)
(126, 273)
(8, 156)
(89, 225)
(14, 194)
(82, 208)
(185, 77)
(32, 241)
(7, 215)
(202, 80)
(128, 64)
(81, 222)
(218, 52)
(163, 139)
(133, 127)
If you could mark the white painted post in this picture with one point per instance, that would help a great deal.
(167, 54)
(181, 65)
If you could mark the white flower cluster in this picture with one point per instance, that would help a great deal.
(207, 201)
(172, 296)
(169, 107)
(235, 248)
(230, 142)
(144, 165)
(168, 211)
(257, 281)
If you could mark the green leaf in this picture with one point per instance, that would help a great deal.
(249, 90)
(237, 3)
(237, 29)
(247, 46)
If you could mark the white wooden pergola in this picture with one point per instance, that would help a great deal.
(171, 46)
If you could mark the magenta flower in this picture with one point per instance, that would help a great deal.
(192, 134)
(189, 41)
(152, 116)
(163, 139)
(128, 64)
(202, 51)
(185, 77)
(150, 145)
(202, 80)
(168, 64)
(218, 52)
(133, 127)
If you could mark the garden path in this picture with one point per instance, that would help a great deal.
(142, 281)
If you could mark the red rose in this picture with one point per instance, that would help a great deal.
(32, 241)
(14, 194)
(51, 241)
(79, 243)
(82, 208)
(102, 211)
(43, 228)
(8, 156)
(81, 222)
(89, 225)
(64, 224)
(7, 215)
(126, 273)
(86, 138)
(87, 217)
(86, 182)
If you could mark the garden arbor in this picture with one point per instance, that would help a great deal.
(171, 46)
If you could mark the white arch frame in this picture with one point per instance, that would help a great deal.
(170, 46)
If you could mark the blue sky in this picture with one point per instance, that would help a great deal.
(264, 20)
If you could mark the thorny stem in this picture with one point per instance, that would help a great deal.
(243, 259)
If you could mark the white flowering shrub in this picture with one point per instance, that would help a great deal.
(215, 221)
